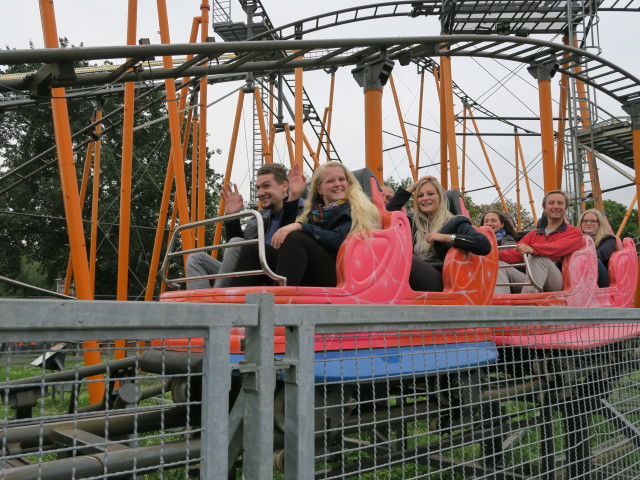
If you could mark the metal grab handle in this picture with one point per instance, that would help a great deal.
(527, 268)
(175, 282)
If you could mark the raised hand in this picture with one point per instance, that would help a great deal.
(297, 182)
(411, 188)
(232, 199)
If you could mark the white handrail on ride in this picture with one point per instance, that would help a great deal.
(524, 264)
(266, 270)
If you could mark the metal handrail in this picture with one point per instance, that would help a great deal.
(266, 270)
(527, 268)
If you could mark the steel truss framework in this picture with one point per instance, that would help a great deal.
(602, 74)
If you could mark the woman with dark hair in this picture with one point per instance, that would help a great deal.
(435, 230)
(501, 226)
(592, 223)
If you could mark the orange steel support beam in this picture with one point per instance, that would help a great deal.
(127, 160)
(70, 195)
(373, 131)
(546, 129)
(518, 207)
(562, 113)
(227, 173)
(418, 140)
(174, 129)
(299, 117)
(266, 153)
(635, 134)
(447, 89)
(486, 157)
(95, 197)
(526, 182)
(272, 127)
(166, 193)
(202, 134)
(372, 77)
(162, 222)
(585, 119)
(444, 163)
(172, 226)
(326, 122)
(627, 215)
(287, 134)
(124, 230)
(191, 128)
(464, 153)
(330, 114)
(83, 192)
(316, 163)
(414, 172)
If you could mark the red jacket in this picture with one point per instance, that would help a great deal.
(560, 243)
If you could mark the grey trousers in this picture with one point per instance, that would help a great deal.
(202, 263)
(543, 270)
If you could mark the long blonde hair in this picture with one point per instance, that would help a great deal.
(364, 214)
(422, 224)
(602, 227)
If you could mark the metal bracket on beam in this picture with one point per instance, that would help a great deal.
(198, 59)
(373, 75)
(132, 62)
(544, 69)
(40, 83)
(632, 107)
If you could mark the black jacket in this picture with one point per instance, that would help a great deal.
(331, 235)
(289, 214)
(605, 248)
(467, 238)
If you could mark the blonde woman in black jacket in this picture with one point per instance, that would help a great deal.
(435, 230)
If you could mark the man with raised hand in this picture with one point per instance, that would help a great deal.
(546, 246)
(272, 185)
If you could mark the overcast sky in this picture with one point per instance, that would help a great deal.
(99, 23)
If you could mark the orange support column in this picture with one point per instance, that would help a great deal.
(299, 117)
(633, 109)
(414, 172)
(202, 134)
(446, 100)
(230, 158)
(70, 195)
(174, 130)
(543, 71)
(372, 77)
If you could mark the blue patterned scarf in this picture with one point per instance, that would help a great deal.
(324, 213)
(500, 234)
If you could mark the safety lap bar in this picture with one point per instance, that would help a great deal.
(174, 282)
(525, 264)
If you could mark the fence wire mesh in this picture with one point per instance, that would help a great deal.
(338, 393)
(147, 418)
(553, 402)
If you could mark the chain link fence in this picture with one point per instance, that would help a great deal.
(357, 391)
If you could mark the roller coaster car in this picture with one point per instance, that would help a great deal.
(375, 270)
(579, 278)
(623, 272)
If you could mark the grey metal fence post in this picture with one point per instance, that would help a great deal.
(258, 385)
(216, 383)
(299, 403)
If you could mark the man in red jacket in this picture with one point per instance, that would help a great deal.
(546, 246)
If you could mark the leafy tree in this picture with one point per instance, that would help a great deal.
(32, 221)
(615, 213)
(477, 211)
